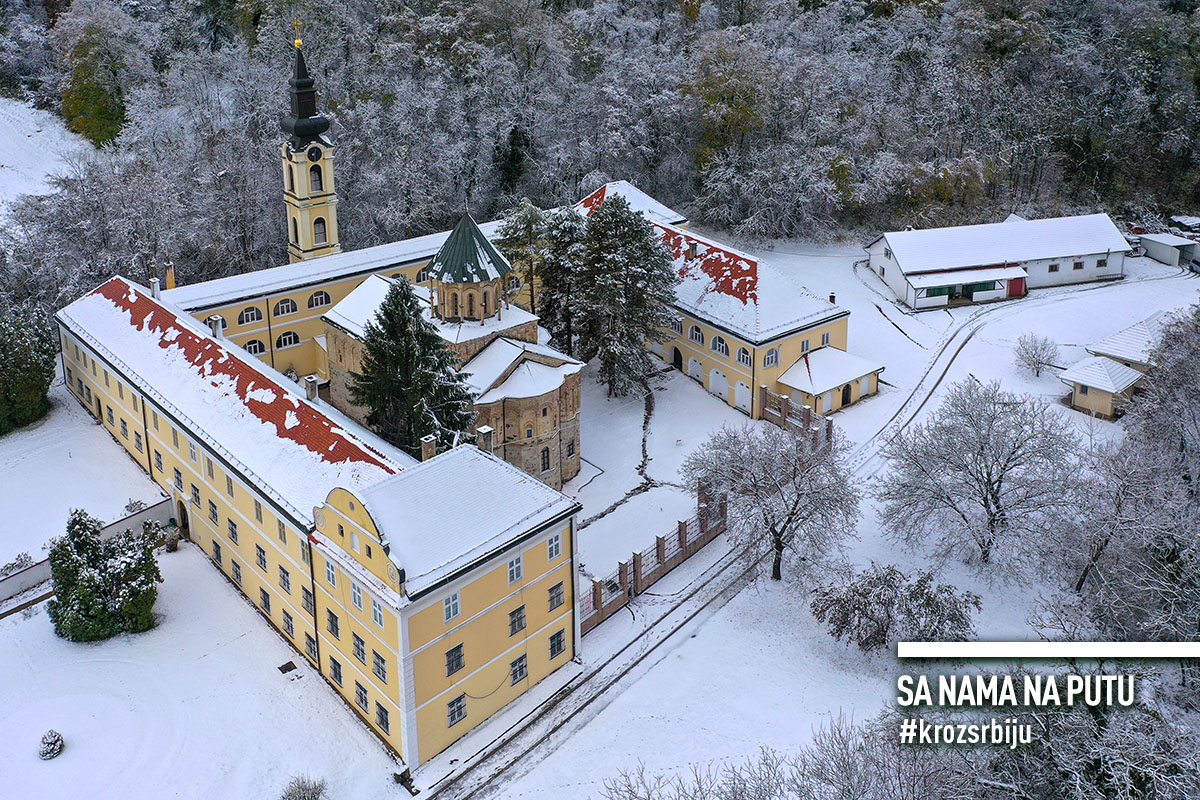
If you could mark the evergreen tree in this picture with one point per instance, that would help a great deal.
(102, 588)
(560, 263)
(520, 240)
(409, 382)
(27, 353)
(623, 294)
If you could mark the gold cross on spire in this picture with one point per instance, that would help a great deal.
(296, 26)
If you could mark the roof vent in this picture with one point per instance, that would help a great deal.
(216, 324)
(833, 298)
(155, 288)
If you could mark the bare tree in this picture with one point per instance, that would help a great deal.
(983, 474)
(1035, 353)
(787, 494)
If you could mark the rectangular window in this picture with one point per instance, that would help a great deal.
(519, 669)
(378, 666)
(330, 573)
(332, 624)
(360, 695)
(208, 468)
(803, 346)
(232, 526)
(87, 392)
(356, 595)
(360, 648)
(120, 391)
(192, 451)
(154, 419)
(558, 643)
(285, 579)
(265, 601)
(229, 486)
(1052, 268)
(216, 551)
(305, 553)
(516, 621)
(237, 572)
(450, 607)
(195, 495)
(106, 378)
(1083, 389)
(258, 511)
(175, 438)
(376, 612)
(132, 399)
(282, 531)
(1077, 265)
(1101, 263)
(212, 512)
(310, 647)
(554, 547)
(124, 429)
(824, 340)
(454, 659)
(307, 600)
(381, 717)
(137, 441)
(289, 625)
(178, 479)
(570, 448)
(158, 464)
(456, 709)
(335, 670)
(515, 570)
(260, 556)
(556, 595)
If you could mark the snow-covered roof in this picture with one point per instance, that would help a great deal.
(294, 451)
(1134, 343)
(359, 307)
(458, 508)
(1102, 373)
(1003, 243)
(1187, 221)
(1167, 238)
(530, 379)
(311, 271)
(638, 200)
(467, 256)
(489, 364)
(1015, 218)
(826, 368)
(953, 277)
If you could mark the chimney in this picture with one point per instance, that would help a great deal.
(428, 446)
(217, 325)
(833, 298)
(155, 290)
(310, 387)
(170, 275)
(692, 248)
(485, 438)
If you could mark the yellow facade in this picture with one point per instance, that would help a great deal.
(311, 198)
(1097, 401)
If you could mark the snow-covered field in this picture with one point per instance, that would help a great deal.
(35, 145)
(194, 708)
(64, 461)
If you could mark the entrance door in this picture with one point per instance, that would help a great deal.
(183, 516)
(1016, 287)
(846, 395)
(677, 359)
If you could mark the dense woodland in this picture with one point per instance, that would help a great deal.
(764, 117)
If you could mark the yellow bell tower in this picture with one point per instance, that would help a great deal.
(308, 187)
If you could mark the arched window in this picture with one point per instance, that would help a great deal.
(696, 335)
(545, 459)
(291, 179)
(454, 304)
(286, 306)
(719, 345)
(295, 232)
(249, 314)
(771, 359)
(744, 357)
(422, 274)
(545, 412)
(319, 235)
(315, 184)
(318, 299)
(255, 347)
(677, 326)
(514, 282)
(471, 306)
(287, 339)
(485, 304)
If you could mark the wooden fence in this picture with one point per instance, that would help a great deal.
(779, 409)
(612, 593)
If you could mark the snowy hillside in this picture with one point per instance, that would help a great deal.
(35, 144)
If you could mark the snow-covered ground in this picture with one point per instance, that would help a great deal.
(35, 145)
(194, 708)
(65, 460)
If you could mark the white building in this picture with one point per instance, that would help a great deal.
(938, 267)
(1169, 249)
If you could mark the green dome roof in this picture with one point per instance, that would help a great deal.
(468, 256)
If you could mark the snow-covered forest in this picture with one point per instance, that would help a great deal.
(765, 117)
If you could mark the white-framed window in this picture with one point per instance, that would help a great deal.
(310, 647)
(330, 573)
(255, 347)
(456, 709)
(335, 670)
(381, 717)
(556, 596)
(233, 530)
(289, 625)
(360, 647)
(285, 579)
(719, 345)
(824, 340)
(258, 515)
(558, 643)
(237, 572)
(249, 314)
(195, 495)
(137, 441)
(192, 451)
(287, 339)
(518, 669)
(771, 359)
(360, 695)
(178, 479)
(744, 358)
(450, 607)
(124, 429)
(423, 275)
(515, 570)
(319, 298)
(677, 326)
(554, 547)
(282, 531)
(803, 346)
(356, 595)
(332, 624)
(229, 486)
(696, 335)
(264, 599)
(378, 666)
(455, 659)
(516, 621)
(158, 462)
(260, 556)
(286, 306)
(377, 612)
(212, 513)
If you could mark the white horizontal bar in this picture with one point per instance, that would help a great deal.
(1016, 650)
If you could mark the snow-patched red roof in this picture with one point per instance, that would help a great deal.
(298, 451)
(650, 208)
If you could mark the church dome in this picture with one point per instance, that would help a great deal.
(468, 257)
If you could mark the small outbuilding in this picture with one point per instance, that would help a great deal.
(1100, 385)
(1172, 250)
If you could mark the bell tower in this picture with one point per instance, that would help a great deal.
(308, 188)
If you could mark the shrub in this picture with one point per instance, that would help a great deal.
(27, 354)
(303, 787)
(52, 745)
